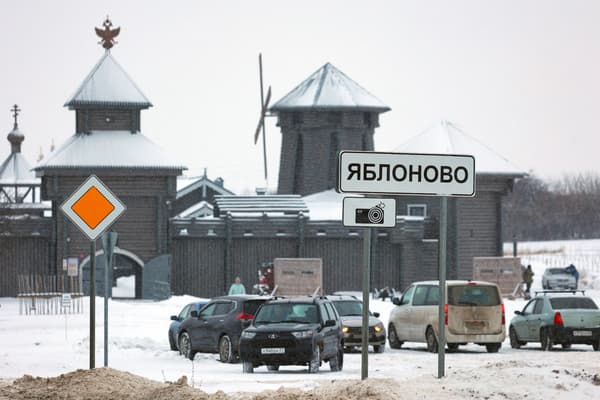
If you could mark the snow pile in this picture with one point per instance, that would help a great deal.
(99, 384)
(125, 287)
(503, 380)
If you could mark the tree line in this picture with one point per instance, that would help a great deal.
(568, 208)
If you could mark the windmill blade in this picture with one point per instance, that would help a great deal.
(261, 121)
(267, 100)
(263, 112)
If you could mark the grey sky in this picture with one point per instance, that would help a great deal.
(521, 76)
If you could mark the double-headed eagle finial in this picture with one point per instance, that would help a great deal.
(107, 35)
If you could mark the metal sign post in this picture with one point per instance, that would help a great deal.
(92, 207)
(442, 294)
(364, 361)
(65, 303)
(93, 304)
(368, 213)
(109, 241)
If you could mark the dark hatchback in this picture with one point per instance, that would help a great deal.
(294, 331)
(217, 327)
(184, 314)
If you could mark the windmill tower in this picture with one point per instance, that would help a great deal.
(326, 113)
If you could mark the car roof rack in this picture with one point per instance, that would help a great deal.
(574, 291)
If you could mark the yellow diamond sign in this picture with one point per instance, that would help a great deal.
(93, 207)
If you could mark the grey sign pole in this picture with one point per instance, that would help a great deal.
(109, 240)
(442, 297)
(93, 304)
(364, 364)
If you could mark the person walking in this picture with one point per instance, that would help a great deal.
(528, 278)
(237, 287)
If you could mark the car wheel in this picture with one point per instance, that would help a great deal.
(514, 339)
(493, 347)
(393, 338)
(452, 347)
(172, 343)
(315, 362)
(337, 362)
(566, 345)
(545, 340)
(226, 350)
(185, 346)
(380, 348)
(432, 343)
(596, 345)
(273, 367)
(247, 367)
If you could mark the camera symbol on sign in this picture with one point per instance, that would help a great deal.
(373, 215)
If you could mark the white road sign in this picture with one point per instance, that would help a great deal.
(368, 212)
(93, 207)
(406, 173)
(66, 300)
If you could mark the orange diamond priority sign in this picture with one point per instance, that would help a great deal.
(93, 207)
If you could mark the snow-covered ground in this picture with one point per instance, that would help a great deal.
(49, 345)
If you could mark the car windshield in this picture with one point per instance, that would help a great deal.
(565, 303)
(556, 271)
(278, 313)
(473, 295)
(348, 308)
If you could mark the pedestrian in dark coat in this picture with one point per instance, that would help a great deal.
(528, 278)
(573, 271)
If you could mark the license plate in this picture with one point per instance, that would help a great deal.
(272, 350)
(475, 324)
(582, 333)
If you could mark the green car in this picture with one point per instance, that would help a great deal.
(553, 317)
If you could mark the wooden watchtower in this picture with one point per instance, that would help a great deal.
(108, 142)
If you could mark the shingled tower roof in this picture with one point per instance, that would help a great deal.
(330, 89)
(108, 85)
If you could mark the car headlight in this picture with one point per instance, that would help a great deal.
(378, 328)
(302, 334)
(345, 329)
(248, 335)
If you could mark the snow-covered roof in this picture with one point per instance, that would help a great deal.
(110, 149)
(108, 84)
(326, 205)
(15, 170)
(260, 204)
(329, 88)
(446, 138)
(201, 209)
(203, 183)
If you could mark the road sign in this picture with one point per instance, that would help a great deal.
(368, 212)
(72, 266)
(93, 207)
(66, 300)
(406, 173)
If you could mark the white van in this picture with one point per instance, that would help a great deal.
(474, 313)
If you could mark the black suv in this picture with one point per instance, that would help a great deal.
(294, 331)
(217, 327)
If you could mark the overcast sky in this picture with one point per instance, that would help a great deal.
(521, 76)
